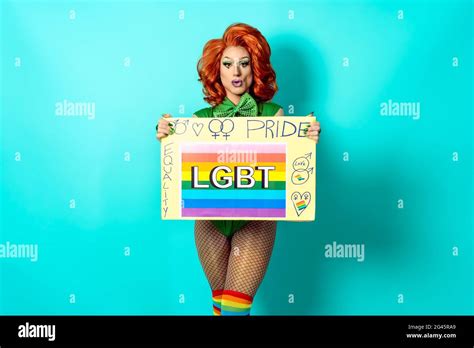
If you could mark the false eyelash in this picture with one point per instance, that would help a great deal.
(227, 63)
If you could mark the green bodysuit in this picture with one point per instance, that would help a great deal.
(229, 227)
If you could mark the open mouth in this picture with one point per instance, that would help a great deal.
(237, 83)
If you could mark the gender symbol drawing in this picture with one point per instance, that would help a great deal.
(180, 126)
(217, 126)
(301, 171)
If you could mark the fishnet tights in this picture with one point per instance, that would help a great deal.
(237, 263)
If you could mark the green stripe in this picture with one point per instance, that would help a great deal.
(272, 185)
(234, 309)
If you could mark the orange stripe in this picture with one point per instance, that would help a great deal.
(231, 298)
(208, 166)
(238, 294)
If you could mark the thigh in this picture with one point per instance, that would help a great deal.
(250, 255)
(213, 250)
(261, 232)
(208, 238)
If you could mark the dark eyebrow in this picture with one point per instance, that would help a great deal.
(240, 58)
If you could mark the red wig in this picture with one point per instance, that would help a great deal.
(264, 85)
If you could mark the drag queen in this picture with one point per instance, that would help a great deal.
(238, 80)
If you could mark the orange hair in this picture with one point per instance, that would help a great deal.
(264, 85)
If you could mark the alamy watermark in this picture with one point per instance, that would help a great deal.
(28, 330)
(66, 108)
(19, 251)
(235, 156)
(401, 109)
(346, 251)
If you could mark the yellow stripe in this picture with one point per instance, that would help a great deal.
(257, 175)
(228, 303)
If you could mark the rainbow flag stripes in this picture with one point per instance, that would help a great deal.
(235, 303)
(241, 180)
(301, 205)
(216, 301)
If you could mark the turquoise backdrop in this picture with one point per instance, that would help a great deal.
(84, 189)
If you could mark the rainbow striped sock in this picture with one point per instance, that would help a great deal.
(235, 303)
(216, 301)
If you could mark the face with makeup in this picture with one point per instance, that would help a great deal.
(236, 72)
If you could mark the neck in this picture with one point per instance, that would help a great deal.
(234, 98)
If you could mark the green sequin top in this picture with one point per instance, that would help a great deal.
(229, 227)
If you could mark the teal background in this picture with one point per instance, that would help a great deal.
(408, 251)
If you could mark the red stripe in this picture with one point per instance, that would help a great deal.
(238, 294)
(217, 292)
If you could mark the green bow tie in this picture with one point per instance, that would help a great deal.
(247, 106)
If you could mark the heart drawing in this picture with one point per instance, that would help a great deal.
(197, 128)
(300, 201)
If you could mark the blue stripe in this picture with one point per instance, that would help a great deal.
(234, 203)
(229, 313)
(229, 194)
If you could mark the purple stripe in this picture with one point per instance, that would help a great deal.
(232, 212)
